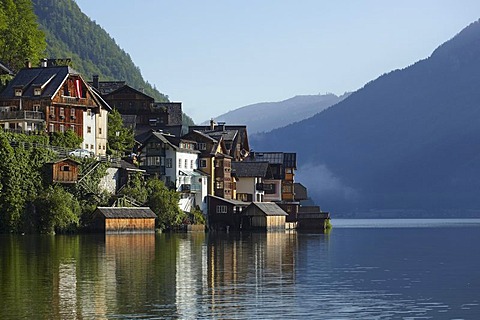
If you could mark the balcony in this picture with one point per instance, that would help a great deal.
(22, 115)
(195, 187)
(259, 187)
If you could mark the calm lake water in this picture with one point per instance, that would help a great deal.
(362, 269)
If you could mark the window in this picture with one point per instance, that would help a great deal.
(72, 126)
(37, 91)
(203, 163)
(91, 146)
(288, 170)
(191, 164)
(62, 113)
(168, 163)
(186, 164)
(179, 163)
(36, 107)
(18, 92)
(219, 185)
(86, 145)
(52, 111)
(72, 113)
(65, 168)
(51, 127)
(202, 146)
(89, 112)
(99, 130)
(89, 129)
(153, 161)
(62, 128)
(221, 209)
(287, 188)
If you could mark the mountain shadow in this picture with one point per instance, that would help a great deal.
(408, 140)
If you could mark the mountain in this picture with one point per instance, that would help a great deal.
(407, 140)
(272, 115)
(72, 34)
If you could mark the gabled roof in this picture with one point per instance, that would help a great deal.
(49, 78)
(268, 208)
(300, 191)
(66, 160)
(106, 87)
(129, 88)
(123, 212)
(251, 169)
(97, 97)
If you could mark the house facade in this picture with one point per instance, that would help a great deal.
(249, 180)
(174, 161)
(54, 99)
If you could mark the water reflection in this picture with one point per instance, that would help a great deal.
(351, 274)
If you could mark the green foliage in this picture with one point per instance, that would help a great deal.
(20, 177)
(120, 138)
(164, 202)
(20, 36)
(58, 211)
(196, 216)
(70, 33)
(68, 139)
(135, 188)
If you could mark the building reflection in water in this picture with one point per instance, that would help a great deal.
(241, 265)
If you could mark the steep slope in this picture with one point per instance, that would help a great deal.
(272, 115)
(409, 139)
(70, 33)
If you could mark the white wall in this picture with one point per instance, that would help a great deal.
(101, 121)
(89, 141)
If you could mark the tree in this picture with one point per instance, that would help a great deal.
(120, 138)
(68, 139)
(20, 36)
(164, 202)
(57, 210)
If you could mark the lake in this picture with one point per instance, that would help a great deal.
(362, 269)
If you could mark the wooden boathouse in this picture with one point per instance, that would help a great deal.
(123, 220)
(263, 216)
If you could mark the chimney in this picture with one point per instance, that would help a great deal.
(28, 64)
(212, 124)
(95, 81)
(43, 63)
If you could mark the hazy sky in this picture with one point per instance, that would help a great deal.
(216, 56)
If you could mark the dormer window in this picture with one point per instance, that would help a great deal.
(18, 92)
(37, 91)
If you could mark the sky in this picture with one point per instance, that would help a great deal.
(217, 56)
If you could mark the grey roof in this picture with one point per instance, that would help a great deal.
(251, 169)
(105, 87)
(124, 212)
(28, 78)
(234, 202)
(269, 208)
(288, 160)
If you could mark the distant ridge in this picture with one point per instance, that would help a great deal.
(407, 140)
(271, 115)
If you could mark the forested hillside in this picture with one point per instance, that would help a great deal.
(408, 140)
(70, 33)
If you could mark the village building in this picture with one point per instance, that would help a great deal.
(224, 214)
(123, 220)
(266, 216)
(283, 165)
(62, 171)
(174, 160)
(235, 138)
(249, 180)
(55, 99)
(140, 111)
(215, 162)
